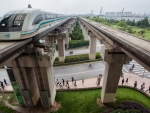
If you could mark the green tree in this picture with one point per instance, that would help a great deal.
(122, 24)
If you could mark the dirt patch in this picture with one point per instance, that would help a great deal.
(99, 102)
(56, 106)
(14, 101)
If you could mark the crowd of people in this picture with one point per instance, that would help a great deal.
(124, 82)
(67, 83)
(135, 85)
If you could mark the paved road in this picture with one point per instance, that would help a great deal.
(138, 69)
(81, 70)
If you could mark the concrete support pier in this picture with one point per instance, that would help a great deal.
(26, 80)
(115, 59)
(92, 45)
(61, 49)
(45, 79)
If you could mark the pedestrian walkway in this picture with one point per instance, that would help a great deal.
(138, 69)
(91, 82)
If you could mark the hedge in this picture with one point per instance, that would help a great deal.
(56, 45)
(76, 59)
(78, 43)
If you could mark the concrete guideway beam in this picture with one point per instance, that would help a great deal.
(92, 52)
(114, 59)
(105, 40)
(133, 46)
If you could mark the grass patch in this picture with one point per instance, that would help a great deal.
(12, 96)
(85, 101)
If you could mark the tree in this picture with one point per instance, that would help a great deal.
(122, 24)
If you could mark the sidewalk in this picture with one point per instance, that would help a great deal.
(91, 82)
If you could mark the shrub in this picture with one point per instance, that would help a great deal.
(76, 33)
(127, 111)
(57, 46)
(76, 58)
(133, 105)
(109, 110)
(98, 55)
(78, 43)
(17, 93)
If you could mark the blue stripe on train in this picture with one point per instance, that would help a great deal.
(41, 25)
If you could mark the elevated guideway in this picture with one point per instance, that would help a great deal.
(137, 48)
(12, 49)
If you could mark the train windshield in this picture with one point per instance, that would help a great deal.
(12, 22)
(4, 20)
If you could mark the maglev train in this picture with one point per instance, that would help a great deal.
(26, 23)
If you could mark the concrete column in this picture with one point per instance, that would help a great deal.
(26, 80)
(92, 52)
(115, 59)
(67, 37)
(61, 49)
(45, 79)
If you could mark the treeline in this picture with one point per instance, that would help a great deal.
(76, 33)
(77, 38)
(144, 23)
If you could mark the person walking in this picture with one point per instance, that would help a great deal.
(63, 82)
(98, 81)
(122, 81)
(2, 86)
(132, 66)
(143, 86)
(5, 82)
(60, 86)
(135, 84)
(75, 83)
(57, 82)
(126, 81)
(72, 79)
(67, 83)
(82, 80)
(100, 75)
(148, 89)
(68, 86)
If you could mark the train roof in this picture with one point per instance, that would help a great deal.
(29, 10)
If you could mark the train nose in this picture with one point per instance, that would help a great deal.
(10, 35)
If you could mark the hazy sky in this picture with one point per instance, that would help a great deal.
(77, 6)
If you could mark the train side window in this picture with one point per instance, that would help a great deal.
(37, 19)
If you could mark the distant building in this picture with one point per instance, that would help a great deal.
(119, 14)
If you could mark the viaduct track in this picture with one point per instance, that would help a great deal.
(133, 46)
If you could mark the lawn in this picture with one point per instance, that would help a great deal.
(86, 101)
(137, 29)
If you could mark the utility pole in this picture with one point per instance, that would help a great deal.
(91, 13)
(101, 11)
(122, 11)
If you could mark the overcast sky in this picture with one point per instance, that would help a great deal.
(77, 6)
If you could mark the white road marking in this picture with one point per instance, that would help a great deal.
(125, 69)
(79, 72)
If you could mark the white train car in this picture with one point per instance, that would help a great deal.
(26, 23)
